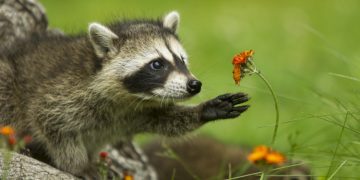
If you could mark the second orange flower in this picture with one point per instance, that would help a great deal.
(265, 155)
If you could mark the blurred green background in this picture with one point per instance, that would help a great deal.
(302, 47)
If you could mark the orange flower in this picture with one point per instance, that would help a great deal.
(243, 57)
(263, 154)
(128, 175)
(237, 74)
(258, 154)
(7, 131)
(275, 158)
(240, 61)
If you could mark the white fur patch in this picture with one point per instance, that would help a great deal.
(165, 52)
(172, 20)
(102, 37)
(174, 87)
(178, 49)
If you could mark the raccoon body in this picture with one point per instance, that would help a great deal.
(75, 94)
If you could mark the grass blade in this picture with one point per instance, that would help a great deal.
(344, 76)
(337, 169)
(338, 144)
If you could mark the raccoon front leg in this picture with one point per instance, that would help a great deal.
(68, 153)
(177, 120)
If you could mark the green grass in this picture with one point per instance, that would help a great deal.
(308, 50)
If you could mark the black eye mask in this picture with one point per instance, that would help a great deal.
(147, 79)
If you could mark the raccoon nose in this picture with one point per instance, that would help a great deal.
(194, 86)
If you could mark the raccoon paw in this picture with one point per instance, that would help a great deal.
(224, 107)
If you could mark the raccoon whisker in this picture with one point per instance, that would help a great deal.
(140, 103)
(162, 99)
(135, 101)
(167, 100)
(170, 100)
(132, 102)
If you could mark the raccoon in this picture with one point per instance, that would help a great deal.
(75, 94)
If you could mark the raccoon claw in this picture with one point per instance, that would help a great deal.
(224, 107)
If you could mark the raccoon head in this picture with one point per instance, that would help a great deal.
(145, 57)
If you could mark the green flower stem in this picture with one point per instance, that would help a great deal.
(6, 162)
(276, 105)
(250, 68)
(263, 176)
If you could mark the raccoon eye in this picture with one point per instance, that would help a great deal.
(156, 65)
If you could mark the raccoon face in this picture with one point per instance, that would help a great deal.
(150, 61)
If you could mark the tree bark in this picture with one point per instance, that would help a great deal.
(22, 19)
(23, 167)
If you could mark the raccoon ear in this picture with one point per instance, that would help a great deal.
(102, 39)
(172, 20)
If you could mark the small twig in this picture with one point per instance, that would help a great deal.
(229, 170)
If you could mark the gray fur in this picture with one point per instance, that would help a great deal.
(71, 99)
(20, 19)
